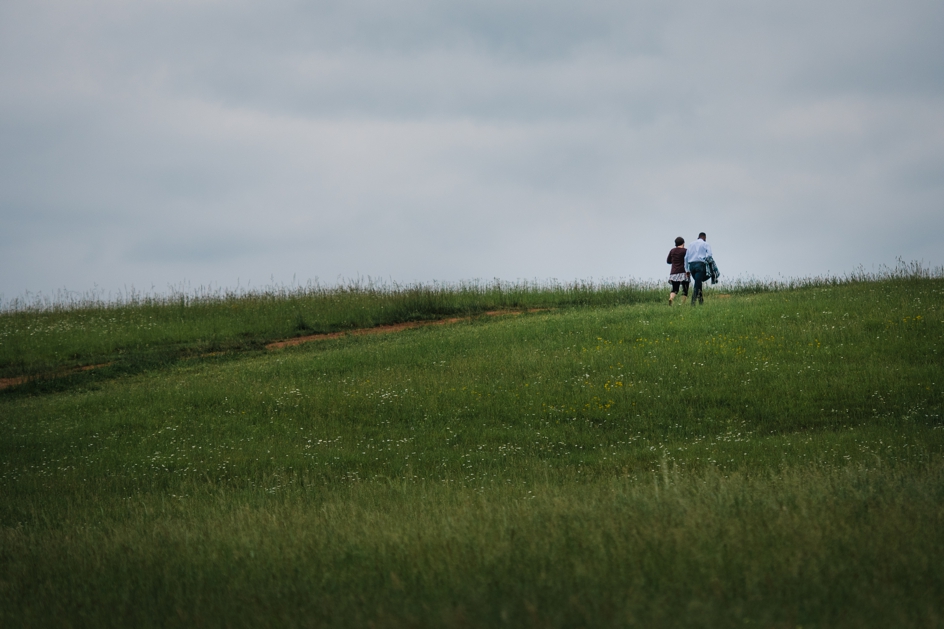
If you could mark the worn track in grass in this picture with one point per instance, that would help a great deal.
(386, 329)
(381, 329)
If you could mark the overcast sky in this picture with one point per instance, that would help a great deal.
(151, 144)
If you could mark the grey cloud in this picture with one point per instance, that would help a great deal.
(152, 142)
(522, 29)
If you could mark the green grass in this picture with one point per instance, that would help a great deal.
(772, 459)
(138, 333)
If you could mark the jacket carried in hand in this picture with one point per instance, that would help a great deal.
(712, 268)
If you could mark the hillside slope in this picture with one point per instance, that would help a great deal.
(771, 458)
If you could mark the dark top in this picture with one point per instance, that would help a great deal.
(677, 260)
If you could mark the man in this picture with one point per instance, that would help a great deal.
(698, 252)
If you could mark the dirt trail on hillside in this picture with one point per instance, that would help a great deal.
(298, 340)
(386, 329)
(380, 329)
(12, 382)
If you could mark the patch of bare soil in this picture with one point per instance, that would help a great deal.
(12, 382)
(380, 329)
(498, 313)
(387, 329)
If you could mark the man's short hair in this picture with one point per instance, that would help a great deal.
(679, 241)
(702, 235)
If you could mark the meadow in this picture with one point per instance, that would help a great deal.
(591, 457)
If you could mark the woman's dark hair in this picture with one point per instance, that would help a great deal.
(679, 241)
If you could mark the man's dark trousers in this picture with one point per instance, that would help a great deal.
(700, 274)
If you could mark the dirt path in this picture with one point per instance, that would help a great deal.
(12, 382)
(380, 329)
(386, 329)
(298, 340)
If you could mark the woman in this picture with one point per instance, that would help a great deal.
(677, 275)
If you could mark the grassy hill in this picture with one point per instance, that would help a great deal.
(773, 458)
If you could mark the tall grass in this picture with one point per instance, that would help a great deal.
(811, 547)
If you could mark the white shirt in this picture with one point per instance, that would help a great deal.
(697, 252)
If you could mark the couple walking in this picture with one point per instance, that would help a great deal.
(696, 263)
